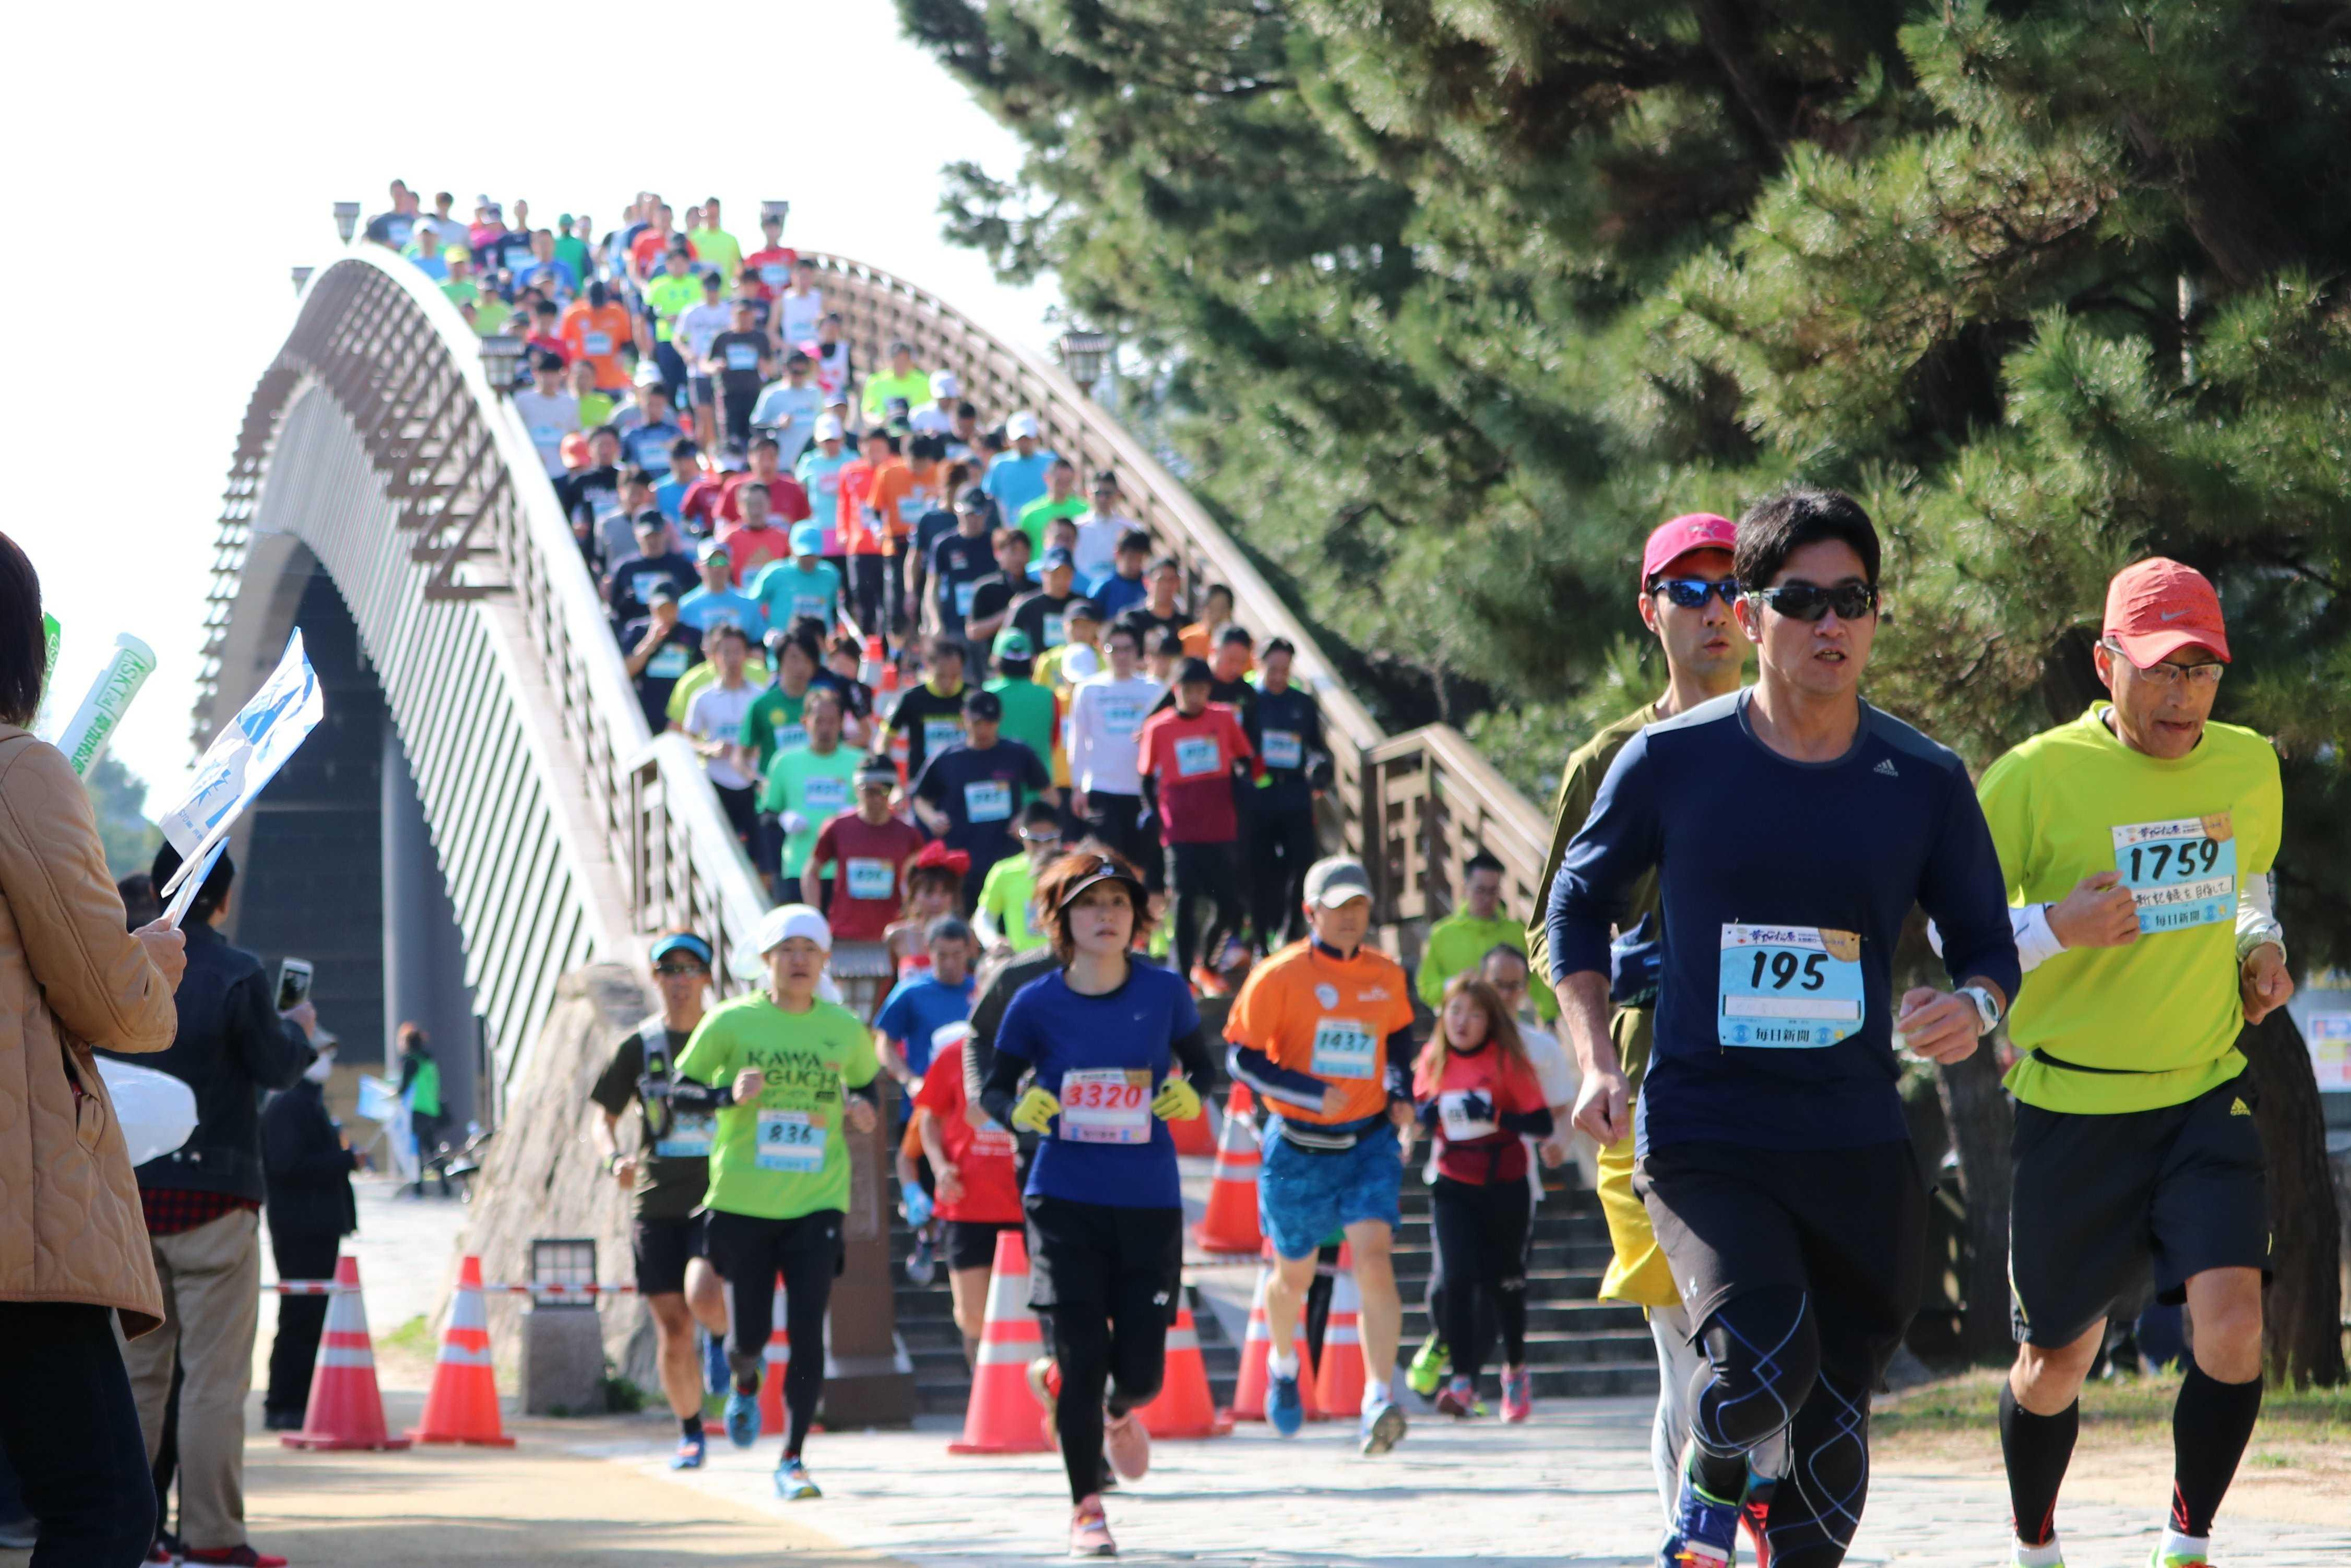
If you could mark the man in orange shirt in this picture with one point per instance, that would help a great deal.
(893, 504)
(593, 330)
(1322, 1032)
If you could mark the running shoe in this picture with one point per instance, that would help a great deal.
(714, 1363)
(1705, 1533)
(1285, 1410)
(1127, 1444)
(1755, 1516)
(1045, 1388)
(1427, 1369)
(2157, 1557)
(1458, 1399)
(922, 1262)
(742, 1418)
(793, 1483)
(1089, 1530)
(241, 1555)
(1518, 1395)
(1382, 1429)
(159, 1552)
(691, 1452)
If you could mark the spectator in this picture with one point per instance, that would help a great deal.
(1044, 614)
(395, 228)
(972, 793)
(1125, 588)
(993, 598)
(738, 360)
(1100, 528)
(788, 501)
(818, 473)
(1189, 756)
(869, 853)
(547, 412)
(898, 378)
(1285, 724)
(660, 648)
(770, 266)
(202, 1205)
(800, 308)
(698, 326)
(652, 564)
(713, 722)
(1459, 942)
(307, 1164)
(713, 245)
(420, 1094)
(1060, 500)
(71, 1252)
(937, 416)
(930, 716)
(594, 327)
(788, 409)
(139, 905)
(1017, 478)
(1216, 613)
(716, 602)
(806, 786)
(806, 584)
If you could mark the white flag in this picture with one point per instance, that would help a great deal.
(241, 760)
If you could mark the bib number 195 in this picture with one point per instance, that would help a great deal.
(1788, 987)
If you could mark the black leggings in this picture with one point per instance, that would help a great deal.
(749, 1253)
(1481, 1232)
(1764, 1375)
(1106, 1276)
(70, 1430)
(1282, 846)
(867, 587)
(1205, 879)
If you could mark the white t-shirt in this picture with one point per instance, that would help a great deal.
(801, 314)
(717, 713)
(1556, 1072)
(1105, 716)
(698, 324)
(930, 420)
(548, 420)
(1097, 552)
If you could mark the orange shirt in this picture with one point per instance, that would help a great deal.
(893, 481)
(1197, 644)
(856, 486)
(1329, 1018)
(596, 335)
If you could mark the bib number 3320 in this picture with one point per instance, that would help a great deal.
(1788, 987)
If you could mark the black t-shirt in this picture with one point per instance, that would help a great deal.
(922, 715)
(982, 793)
(669, 1186)
(738, 356)
(1043, 618)
(856, 696)
(958, 562)
(679, 652)
(1285, 729)
(1239, 695)
(635, 578)
(995, 594)
(1151, 624)
(929, 529)
(394, 229)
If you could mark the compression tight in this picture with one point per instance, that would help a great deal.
(752, 1252)
(1482, 1236)
(1112, 1361)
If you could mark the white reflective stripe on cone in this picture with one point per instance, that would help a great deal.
(1008, 1353)
(1008, 1297)
(458, 1355)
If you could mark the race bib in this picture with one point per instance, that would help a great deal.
(963, 595)
(911, 509)
(742, 357)
(597, 344)
(1055, 635)
(1280, 748)
(1106, 1105)
(668, 663)
(790, 733)
(642, 584)
(938, 733)
(1452, 1114)
(687, 1139)
(869, 878)
(1198, 755)
(1344, 1047)
(1120, 715)
(547, 436)
(825, 796)
(817, 604)
(2180, 873)
(988, 801)
(1789, 986)
(775, 273)
(790, 1142)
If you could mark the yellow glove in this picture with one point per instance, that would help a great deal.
(1036, 1110)
(1176, 1101)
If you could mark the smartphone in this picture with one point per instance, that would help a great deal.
(293, 982)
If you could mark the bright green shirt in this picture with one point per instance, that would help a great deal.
(462, 292)
(572, 252)
(1043, 510)
(755, 672)
(1460, 941)
(818, 787)
(1003, 899)
(1027, 715)
(666, 296)
(2162, 1014)
(782, 1155)
(914, 386)
(772, 724)
(596, 407)
(490, 313)
(719, 248)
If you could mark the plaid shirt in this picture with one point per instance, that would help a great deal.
(172, 1210)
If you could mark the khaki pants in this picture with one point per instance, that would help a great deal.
(212, 1306)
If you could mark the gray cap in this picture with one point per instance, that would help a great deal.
(1336, 879)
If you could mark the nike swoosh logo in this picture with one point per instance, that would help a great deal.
(2171, 614)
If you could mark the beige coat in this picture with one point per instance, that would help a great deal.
(70, 977)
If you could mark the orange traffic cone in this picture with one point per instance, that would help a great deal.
(1257, 1346)
(1003, 1417)
(774, 1362)
(1339, 1381)
(1183, 1408)
(463, 1405)
(1230, 1224)
(1196, 1137)
(346, 1408)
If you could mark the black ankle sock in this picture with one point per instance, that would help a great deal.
(2037, 1448)
(690, 1427)
(2210, 1425)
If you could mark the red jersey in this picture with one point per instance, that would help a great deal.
(787, 502)
(981, 1155)
(772, 265)
(871, 889)
(749, 550)
(856, 486)
(1193, 760)
(1476, 1088)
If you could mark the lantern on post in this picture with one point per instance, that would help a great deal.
(347, 219)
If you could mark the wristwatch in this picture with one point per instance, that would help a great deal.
(1987, 1008)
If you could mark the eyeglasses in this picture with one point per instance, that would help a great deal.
(1806, 602)
(1028, 837)
(2202, 677)
(1689, 593)
(681, 969)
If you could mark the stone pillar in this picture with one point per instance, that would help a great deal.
(423, 952)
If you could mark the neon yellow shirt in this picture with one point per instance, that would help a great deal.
(1003, 899)
(784, 1155)
(666, 296)
(818, 787)
(1460, 941)
(596, 407)
(2162, 1014)
(719, 248)
(914, 386)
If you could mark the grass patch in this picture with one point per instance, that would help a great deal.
(2128, 1405)
(413, 1337)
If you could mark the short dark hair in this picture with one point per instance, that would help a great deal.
(1215, 587)
(1278, 645)
(769, 442)
(1132, 539)
(636, 474)
(725, 629)
(1779, 526)
(1504, 950)
(1039, 812)
(1235, 632)
(24, 646)
(684, 446)
(1165, 563)
(1480, 862)
(217, 881)
(1169, 643)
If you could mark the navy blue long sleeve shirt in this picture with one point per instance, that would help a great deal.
(1784, 885)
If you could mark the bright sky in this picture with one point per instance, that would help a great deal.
(207, 149)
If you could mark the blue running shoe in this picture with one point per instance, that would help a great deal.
(793, 1483)
(1705, 1532)
(691, 1452)
(1382, 1429)
(714, 1363)
(742, 1418)
(1284, 1409)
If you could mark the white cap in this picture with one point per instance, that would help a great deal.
(828, 428)
(1023, 423)
(648, 374)
(944, 385)
(786, 921)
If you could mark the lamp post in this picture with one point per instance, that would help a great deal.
(1085, 355)
(502, 360)
(775, 210)
(347, 219)
(301, 278)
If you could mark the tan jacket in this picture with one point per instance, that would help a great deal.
(70, 977)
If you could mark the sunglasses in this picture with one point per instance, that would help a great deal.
(681, 969)
(1690, 592)
(1805, 602)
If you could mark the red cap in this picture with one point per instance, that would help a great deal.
(1693, 530)
(2157, 607)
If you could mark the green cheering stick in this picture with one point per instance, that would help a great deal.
(84, 738)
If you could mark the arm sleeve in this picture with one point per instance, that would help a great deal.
(1617, 842)
(2257, 921)
(1192, 1045)
(1255, 1017)
(1964, 894)
(1400, 1054)
(1534, 1123)
(1001, 1090)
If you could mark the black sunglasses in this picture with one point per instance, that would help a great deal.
(1689, 593)
(680, 969)
(1806, 602)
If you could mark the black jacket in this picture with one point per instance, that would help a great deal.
(231, 1045)
(309, 1170)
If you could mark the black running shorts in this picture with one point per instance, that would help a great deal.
(2099, 1200)
(1095, 1258)
(663, 1249)
(1847, 1226)
(971, 1243)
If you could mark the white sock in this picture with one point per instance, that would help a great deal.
(1374, 1396)
(2194, 1547)
(1282, 1365)
(2042, 1556)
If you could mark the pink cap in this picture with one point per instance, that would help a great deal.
(1693, 530)
(2156, 607)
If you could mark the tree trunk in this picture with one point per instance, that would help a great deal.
(2304, 1321)
(1976, 1110)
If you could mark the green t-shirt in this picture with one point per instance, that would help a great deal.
(2163, 1014)
(689, 685)
(719, 248)
(772, 724)
(666, 296)
(490, 313)
(1027, 714)
(1043, 510)
(572, 252)
(914, 386)
(782, 1155)
(1003, 899)
(596, 407)
(462, 291)
(424, 1089)
(818, 787)
(1461, 941)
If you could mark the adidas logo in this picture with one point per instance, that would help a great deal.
(2238, 1108)
(1887, 769)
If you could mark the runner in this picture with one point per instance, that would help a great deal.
(666, 1178)
(1285, 724)
(978, 1189)
(1189, 756)
(1322, 1031)
(933, 887)
(1097, 1040)
(787, 1072)
(1474, 1089)
(1106, 711)
(921, 1005)
(2137, 842)
(1791, 828)
(874, 853)
(1007, 917)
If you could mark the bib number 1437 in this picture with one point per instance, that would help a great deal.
(1788, 987)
